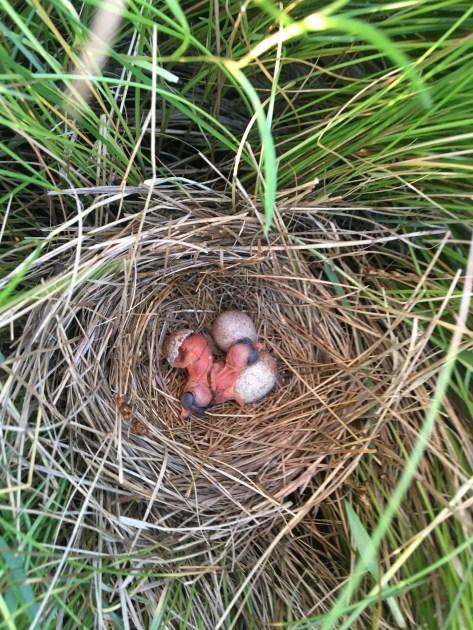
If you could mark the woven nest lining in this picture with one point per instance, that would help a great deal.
(111, 380)
(272, 442)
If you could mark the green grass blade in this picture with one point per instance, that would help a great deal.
(20, 599)
(267, 147)
(376, 37)
(363, 542)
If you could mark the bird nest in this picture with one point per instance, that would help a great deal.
(263, 452)
(203, 488)
(112, 383)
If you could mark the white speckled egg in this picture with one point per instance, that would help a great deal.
(232, 326)
(173, 343)
(257, 380)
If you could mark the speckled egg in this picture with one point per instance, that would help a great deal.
(173, 343)
(258, 379)
(232, 326)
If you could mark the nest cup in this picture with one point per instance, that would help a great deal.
(111, 376)
(262, 453)
(269, 446)
(109, 385)
(272, 442)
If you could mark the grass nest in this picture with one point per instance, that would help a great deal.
(252, 493)
(111, 378)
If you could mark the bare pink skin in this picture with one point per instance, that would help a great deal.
(202, 397)
(196, 355)
(223, 376)
(195, 352)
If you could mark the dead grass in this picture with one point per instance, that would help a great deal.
(252, 497)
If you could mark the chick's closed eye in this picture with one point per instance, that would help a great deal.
(189, 402)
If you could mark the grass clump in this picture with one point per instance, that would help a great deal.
(208, 156)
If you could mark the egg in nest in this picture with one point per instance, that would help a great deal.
(173, 343)
(232, 326)
(257, 380)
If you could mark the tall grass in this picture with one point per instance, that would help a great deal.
(357, 117)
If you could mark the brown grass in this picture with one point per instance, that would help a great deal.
(250, 494)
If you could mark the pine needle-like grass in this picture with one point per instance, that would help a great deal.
(237, 517)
